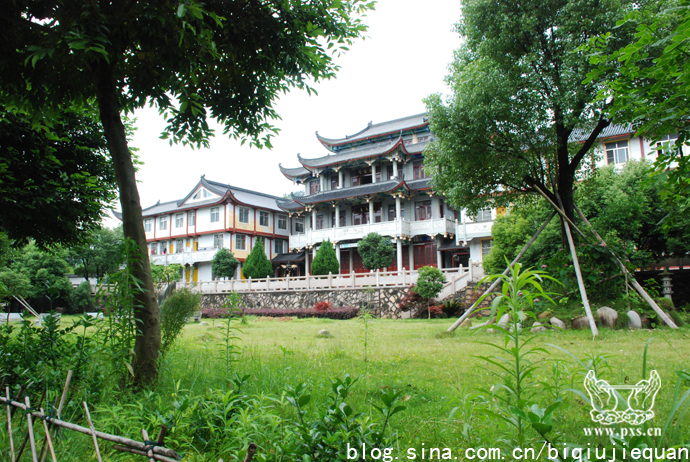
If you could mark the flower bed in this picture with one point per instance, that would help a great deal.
(342, 312)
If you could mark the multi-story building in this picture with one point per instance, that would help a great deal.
(374, 181)
(213, 215)
(618, 144)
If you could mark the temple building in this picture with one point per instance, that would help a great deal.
(374, 181)
(212, 216)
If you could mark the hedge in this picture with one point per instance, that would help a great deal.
(342, 312)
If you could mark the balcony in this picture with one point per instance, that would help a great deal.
(386, 228)
(184, 258)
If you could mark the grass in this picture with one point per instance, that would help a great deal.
(439, 372)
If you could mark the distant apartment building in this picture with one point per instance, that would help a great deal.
(374, 181)
(212, 216)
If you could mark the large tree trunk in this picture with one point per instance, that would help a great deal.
(146, 312)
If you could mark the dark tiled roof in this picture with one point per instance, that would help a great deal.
(294, 172)
(289, 205)
(418, 147)
(384, 128)
(363, 152)
(417, 185)
(581, 135)
(357, 191)
(288, 258)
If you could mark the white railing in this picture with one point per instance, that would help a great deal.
(457, 279)
(384, 228)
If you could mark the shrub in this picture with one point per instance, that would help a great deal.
(81, 299)
(376, 251)
(665, 304)
(325, 260)
(436, 310)
(257, 265)
(622, 321)
(429, 283)
(342, 312)
(452, 307)
(224, 264)
(323, 306)
(175, 312)
(677, 318)
(412, 301)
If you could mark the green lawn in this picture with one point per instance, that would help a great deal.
(436, 372)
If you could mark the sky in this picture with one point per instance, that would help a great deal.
(403, 59)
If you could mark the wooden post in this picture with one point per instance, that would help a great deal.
(251, 450)
(497, 281)
(32, 441)
(149, 451)
(93, 432)
(9, 424)
(643, 293)
(49, 440)
(44, 454)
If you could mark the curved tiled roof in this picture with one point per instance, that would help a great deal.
(363, 152)
(297, 172)
(346, 193)
(289, 205)
(581, 135)
(374, 130)
(418, 185)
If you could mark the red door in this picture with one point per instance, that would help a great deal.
(406, 260)
(425, 255)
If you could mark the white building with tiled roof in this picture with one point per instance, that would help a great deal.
(374, 181)
(211, 216)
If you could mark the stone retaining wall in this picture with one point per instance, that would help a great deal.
(383, 301)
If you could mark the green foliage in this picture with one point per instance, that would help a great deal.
(14, 283)
(517, 97)
(45, 270)
(98, 255)
(257, 265)
(177, 308)
(325, 260)
(224, 264)
(230, 348)
(647, 80)
(166, 274)
(57, 178)
(366, 319)
(430, 282)
(81, 298)
(516, 370)
(376, 251)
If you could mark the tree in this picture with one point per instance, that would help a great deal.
(257, 265)
(224, 264)
(228, 60)
(45, 270)
(56, 181)
(166, 274)
(325, 260)
(518, 100)
(648, 82)
(429, 284)
(98, 255)
(376, 251)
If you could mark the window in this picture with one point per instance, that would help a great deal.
(360, 215)
(164, 247)
(378, 212)
(418, 170)
(282, 222)
(299, 226)
(617, 152)
(201, 193)
(215, 214)
(378, 175)
(163, 223)
(483, 215)
(319, 221)
(240, 242)
(314, 187)
(422, 210)
(279, 246)
(360, 177)
(179, 246)
(391, 174)
(179, 220)
(148, 225)
(342, 218)
(334, 182)
(154, 248)
(263, 218)
(668, 142)
(217, 241)
(486, 247)
(442, 208)
(191, 218)
(244, 215)
(391, 212)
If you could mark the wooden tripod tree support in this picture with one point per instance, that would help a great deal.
(493, 286)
